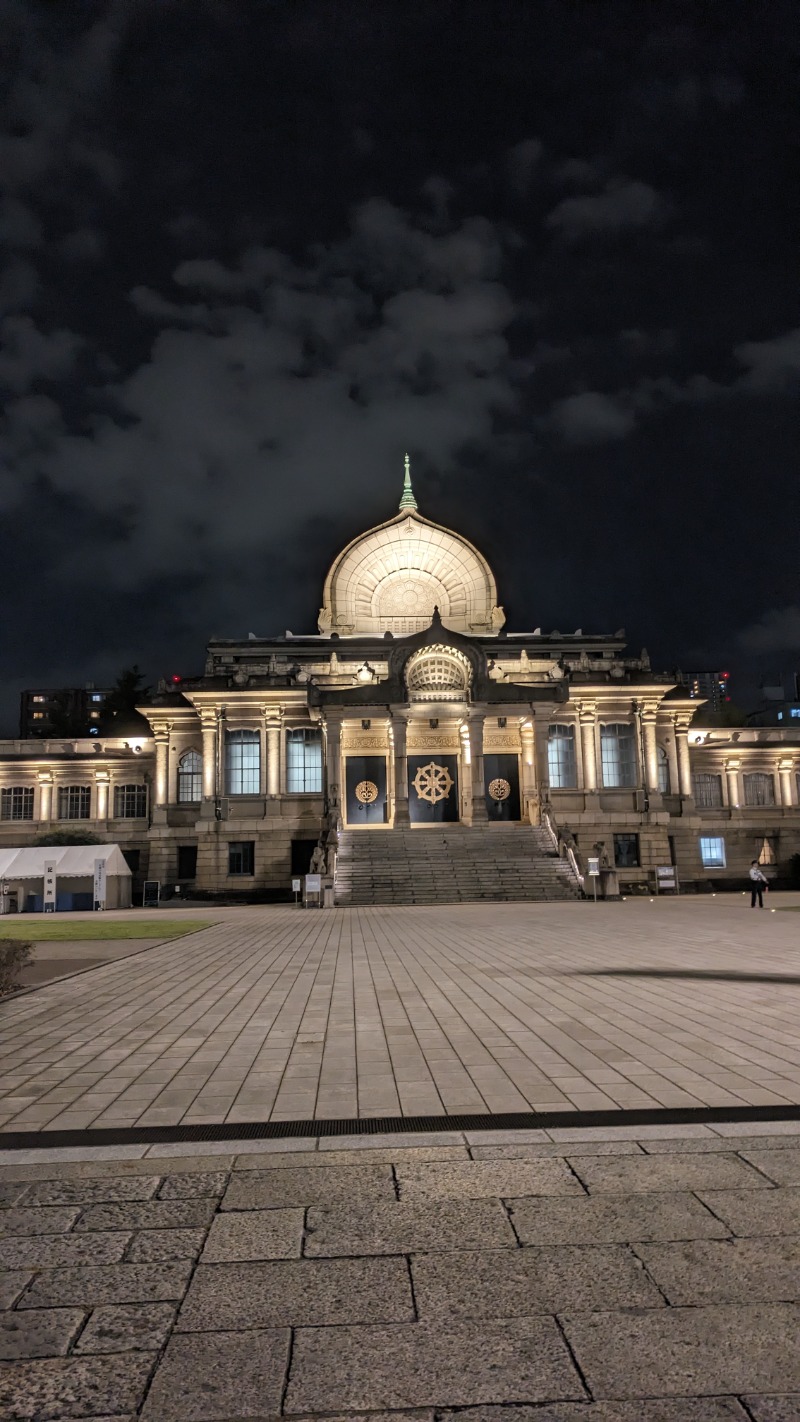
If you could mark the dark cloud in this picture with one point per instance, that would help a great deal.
(622, 204)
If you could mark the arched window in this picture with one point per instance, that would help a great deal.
(618, 755)
(561, 764)
(759, 789)
(663, 771)
(243, 762)
(130, 802)
(190, 778)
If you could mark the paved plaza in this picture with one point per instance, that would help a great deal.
(280, 1013)
(569, 1276)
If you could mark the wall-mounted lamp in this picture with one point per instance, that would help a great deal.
(365, 725)
(433, 723)
(501, 721)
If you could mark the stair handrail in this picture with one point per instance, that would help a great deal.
(563, 849)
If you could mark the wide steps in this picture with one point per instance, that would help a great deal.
(451, 864)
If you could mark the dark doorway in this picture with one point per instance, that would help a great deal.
(501, 786)
(433, 789)
(187, 861)
(302, 850)
(365, 784)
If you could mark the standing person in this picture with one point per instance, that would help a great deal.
(758, 882)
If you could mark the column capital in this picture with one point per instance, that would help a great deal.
(102, 777)
(682, 720)
(733, 763)
(45, 777)
(587, 710)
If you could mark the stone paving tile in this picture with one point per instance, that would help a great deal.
(90, 1191)
(185, 1187)
(54, 1388)
(390, 1140)
(613, 1219)
(782, 1167)
(10, 1191)
(54, 1251)
(219, 1376)
(478, 1179)
(729, 1348)
(657, 1409)
(549, 1150)
(406, 1226)
(153, 1245)
(423, 1365)
(102, 1170)
(578, 1135)
(11, 1285)
(303, 1292)
(254, 1234)
(720, 1143)
(747, 1212)
(496, 1284)
(774, 1409)
(634, 1174)
(757, 1128)
(725, 1271)
(122, 1328)
(148, 1214)
(55, 1220)
(38, 1333)
(271, 1189)
(382, 1155)
(112, 1283)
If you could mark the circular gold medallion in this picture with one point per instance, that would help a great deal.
(499, 789)
(366, 792)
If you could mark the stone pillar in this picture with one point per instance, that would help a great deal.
(333, 762)
(45, 797)
(785, 781)
(465, 772)
(479, 810)
(586, 716)
(530, 793)
(400, 733)
(208, 723)
(650, 748)
(273, 738)
(672, 757)
(161, 787)
(685, 783)
(102, 791)
(734, 784)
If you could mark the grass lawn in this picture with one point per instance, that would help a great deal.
(37, 930)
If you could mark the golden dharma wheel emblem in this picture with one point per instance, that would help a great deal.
(366, 792)
(499, 789)
(433, 782)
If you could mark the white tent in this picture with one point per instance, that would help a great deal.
(74, 873)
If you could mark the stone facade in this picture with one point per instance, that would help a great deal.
(413, 705)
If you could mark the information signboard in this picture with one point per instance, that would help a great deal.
(99, 884)
(49, 894)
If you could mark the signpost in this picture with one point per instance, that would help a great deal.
(666, 878)
(99, 885)
(594, 874)
(297, 885)
(49, 895)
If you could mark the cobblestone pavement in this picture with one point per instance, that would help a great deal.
(279, 1013)
(639, 1275)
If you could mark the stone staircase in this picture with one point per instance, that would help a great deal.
(451, 864)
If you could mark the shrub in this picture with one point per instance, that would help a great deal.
(14, 956)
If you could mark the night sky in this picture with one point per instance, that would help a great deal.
(252, 252)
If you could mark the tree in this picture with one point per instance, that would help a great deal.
(119, 716)
(68, 836)
(67, 721)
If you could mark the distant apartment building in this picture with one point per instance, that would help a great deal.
(48, 712)
(780, 702)
(713, 687)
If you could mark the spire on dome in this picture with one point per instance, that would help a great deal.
(407, 501)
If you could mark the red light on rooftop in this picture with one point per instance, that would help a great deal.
(177, 679)
(726, 675)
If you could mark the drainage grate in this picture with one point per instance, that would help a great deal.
(389, 1125)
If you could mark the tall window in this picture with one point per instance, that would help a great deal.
(243, 762)
(767, 849)
(74, 802)
(16, 803)
(626, 851)
(663, 771)
(130, 802)
(304, 762)
(618, 755)
(708, 791)
(190, 778)
(759, 789)
(241, 856)
(712, 851)
(561, 757)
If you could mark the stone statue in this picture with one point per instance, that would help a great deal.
(318, 861)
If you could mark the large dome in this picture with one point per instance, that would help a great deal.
(390, 578)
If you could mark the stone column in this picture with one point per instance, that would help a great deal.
(333, 761)
(208, 723)
(273, 738)
(465, 773)
(686, 784)
(479, 810)
(161, 787)
(102, 790)
(672, 757)
(530, 796)
(400, 733)
(45, 797)
(734, 784)
(650, 748)
(785, 781)
(587, 717)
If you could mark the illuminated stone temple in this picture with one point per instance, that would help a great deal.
(425, 751)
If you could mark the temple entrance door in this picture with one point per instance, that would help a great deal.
(365, 790)
(501, 786)
(432, 789)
